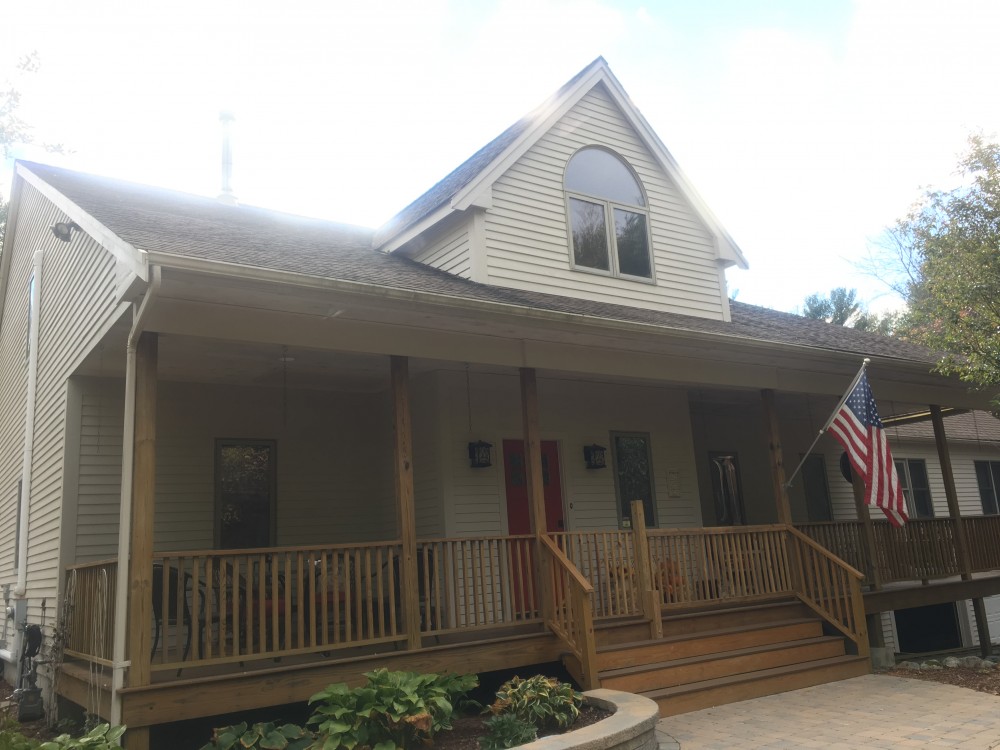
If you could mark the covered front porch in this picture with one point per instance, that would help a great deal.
(295, 513)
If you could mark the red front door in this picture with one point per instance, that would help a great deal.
(518, 513)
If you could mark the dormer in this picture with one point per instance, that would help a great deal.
(580, 199)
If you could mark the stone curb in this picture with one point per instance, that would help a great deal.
(631, 727)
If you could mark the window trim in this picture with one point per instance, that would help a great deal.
(610, 235)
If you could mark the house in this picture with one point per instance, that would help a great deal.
(245, 454)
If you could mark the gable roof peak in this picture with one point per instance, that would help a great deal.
(460, 189)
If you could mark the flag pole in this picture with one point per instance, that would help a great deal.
(829, 421)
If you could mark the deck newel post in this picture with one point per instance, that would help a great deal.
(648, 594)
(858, 485)
(777, 461)
(143, 512)
(406, 513)
(535, 484)
(955, 511)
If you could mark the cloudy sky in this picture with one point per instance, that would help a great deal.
(808, 125)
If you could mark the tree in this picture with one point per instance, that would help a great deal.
(13, 130)
(839, 308)
(953, 238)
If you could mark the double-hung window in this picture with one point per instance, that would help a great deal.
(608, 216)
(916, 487)
(988, 477)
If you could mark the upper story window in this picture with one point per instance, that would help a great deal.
(608, 217)
(916, 487)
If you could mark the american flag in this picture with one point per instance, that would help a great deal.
(858, 428)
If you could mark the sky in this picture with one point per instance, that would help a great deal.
(808, 126)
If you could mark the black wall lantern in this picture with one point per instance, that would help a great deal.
(595, 455)
(480, 454)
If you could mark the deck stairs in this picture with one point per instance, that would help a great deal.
(711, 657)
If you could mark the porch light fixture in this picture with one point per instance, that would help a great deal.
(480, 454)
(595, 456)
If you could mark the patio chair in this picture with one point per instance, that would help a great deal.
(173, 584)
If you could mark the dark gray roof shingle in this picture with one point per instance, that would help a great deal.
(165, 221)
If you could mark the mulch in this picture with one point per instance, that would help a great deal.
(466, 731)
(983, 681)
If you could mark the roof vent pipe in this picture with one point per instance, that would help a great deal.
(227, 196)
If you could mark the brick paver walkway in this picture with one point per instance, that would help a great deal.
(875, 711)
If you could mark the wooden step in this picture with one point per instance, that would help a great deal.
(716, 692)
(699, 619)
(731, 617)
(712, 642)
(646, 677)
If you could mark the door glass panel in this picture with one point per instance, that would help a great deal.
(633, 474)
(245, 484)
(727, 491)
(816, 489)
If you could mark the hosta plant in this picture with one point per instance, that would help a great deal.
(544, 702)
(101, 737)
(263, 736)
(507, 730)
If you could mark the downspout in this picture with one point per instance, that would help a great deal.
(21, 587)
(118, 662)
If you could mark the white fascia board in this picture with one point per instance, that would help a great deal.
(415, 230)
(133, 258)
(726, 248)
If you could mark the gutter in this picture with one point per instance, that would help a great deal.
(118, 662)
(24, 501)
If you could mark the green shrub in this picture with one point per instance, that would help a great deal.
(265, 736)
(101, 737)
(507, 730)
(541, 701)
(11, 738)
(391, 710)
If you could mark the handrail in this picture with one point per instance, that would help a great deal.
(572, 610)
(830, 587)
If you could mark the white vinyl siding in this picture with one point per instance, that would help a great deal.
(77, 300)
(527, 236)
(573, 414)
(449, 251)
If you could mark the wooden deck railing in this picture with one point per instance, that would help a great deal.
(829, 586)
(572, 610)
(218, 606)
(90, 593)
(701, 565)
(922, 549)
(982, 534)
(606, 559)
(475, 583)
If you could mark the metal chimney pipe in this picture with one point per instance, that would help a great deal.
(227, 196)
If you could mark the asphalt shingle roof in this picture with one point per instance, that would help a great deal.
(165, 221)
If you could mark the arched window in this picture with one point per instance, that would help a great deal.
(608, 218)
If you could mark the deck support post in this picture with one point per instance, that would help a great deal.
(777, 460)
(535, 483)
(955, 511)
(644, 580)
(951, 493)
(858, 485)
(140, 610)
(405, 512)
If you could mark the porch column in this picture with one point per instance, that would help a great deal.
(140, 561)
(777, 462)
(961, 542)
(535, 483)
(406, 514)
